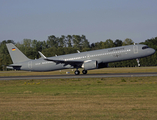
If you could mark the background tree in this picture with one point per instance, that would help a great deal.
(52, 41)
(109, 43)
(85, 43)
(62, 41)
(69, 40)
(118, 43)
(4, 54)
(70, 44)
(77, 41)
(128, 41)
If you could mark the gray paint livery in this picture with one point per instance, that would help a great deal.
(86, 60)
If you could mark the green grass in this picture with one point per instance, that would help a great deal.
(79, 99)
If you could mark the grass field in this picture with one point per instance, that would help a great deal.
(133, 98)
(96, 71)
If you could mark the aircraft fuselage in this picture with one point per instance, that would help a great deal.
(101, 56)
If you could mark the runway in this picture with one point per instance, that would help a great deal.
(79, 76)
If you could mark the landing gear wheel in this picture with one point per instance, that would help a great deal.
(84, 71)
(77, 72)
(138, 62)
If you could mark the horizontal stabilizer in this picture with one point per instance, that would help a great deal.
(14, 66)
(10, 68)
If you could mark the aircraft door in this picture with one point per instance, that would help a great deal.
(30, 65)
(135, 48)
(88, 56)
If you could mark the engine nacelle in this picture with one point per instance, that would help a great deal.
(90, 64)
(102, 65)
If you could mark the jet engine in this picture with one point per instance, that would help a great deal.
(90, 64)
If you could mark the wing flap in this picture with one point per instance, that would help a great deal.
(64, 61)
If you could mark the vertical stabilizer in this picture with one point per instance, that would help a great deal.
(16, 55)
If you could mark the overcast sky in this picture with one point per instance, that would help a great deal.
(98, 20)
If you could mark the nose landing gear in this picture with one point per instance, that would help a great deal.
(138, 62)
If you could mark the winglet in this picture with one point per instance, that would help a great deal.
(78, 51)
(42, 55)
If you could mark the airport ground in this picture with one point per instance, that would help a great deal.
(81, 98)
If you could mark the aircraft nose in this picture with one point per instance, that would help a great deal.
(152, 51)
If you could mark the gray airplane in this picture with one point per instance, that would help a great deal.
(87, 60)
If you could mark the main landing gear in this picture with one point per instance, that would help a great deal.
(77, 72)
(84, 71)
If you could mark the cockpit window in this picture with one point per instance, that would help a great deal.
(145, 47)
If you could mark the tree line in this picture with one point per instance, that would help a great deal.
(70, 44)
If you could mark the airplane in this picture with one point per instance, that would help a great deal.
(87, 60)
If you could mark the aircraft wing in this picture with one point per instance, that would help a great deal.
(70, 62)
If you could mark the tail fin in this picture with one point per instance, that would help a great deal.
(16, 55)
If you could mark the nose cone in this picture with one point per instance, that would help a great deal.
(151, 51)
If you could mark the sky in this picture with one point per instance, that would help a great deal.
(98, 20)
